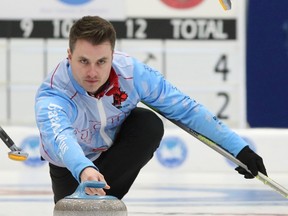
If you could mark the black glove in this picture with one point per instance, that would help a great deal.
(253, 161)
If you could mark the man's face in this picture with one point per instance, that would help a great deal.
(91, 64)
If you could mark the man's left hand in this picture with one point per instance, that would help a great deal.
(253, 161)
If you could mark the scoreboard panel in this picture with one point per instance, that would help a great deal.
(202, 54)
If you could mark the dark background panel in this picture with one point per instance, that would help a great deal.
(267, 63)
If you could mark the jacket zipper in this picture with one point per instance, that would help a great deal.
(103, 118)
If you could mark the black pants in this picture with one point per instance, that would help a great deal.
(135, 144)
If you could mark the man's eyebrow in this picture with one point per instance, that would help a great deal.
(100, 59)
(103, 58)
(82, 57)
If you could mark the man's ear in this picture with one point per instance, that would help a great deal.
(69, 54)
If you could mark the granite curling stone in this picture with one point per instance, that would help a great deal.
(81, 204)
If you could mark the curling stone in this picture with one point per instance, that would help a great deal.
(81, 204)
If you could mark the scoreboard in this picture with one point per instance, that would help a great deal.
(202, 54)
(131, 28)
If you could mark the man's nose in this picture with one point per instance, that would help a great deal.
(92, 71)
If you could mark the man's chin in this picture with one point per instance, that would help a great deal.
(91, 90)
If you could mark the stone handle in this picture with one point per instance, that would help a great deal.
(81, 194)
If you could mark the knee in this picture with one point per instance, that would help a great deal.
(145, 125)
(149, 126)
(152, 125)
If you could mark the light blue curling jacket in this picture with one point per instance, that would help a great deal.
(76, 127)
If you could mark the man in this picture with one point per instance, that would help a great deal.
(90, 126)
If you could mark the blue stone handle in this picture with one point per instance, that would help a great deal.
(81, 194)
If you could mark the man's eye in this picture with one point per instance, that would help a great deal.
(84, 61)
(101, 62)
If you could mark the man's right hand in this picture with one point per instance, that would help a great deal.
(91, 174)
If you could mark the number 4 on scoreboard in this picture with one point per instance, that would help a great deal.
(221, 67)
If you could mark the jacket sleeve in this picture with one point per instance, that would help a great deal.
(156, 91)
(54, 115)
